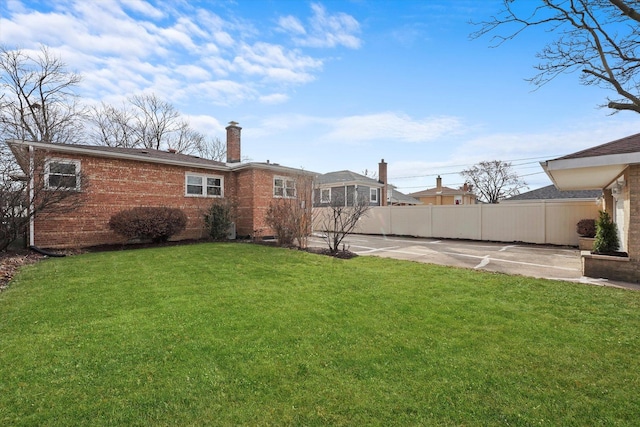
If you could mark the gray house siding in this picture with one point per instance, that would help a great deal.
(338, 195)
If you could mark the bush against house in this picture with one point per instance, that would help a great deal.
(157, 224)
(290, 217)
(606, 240)
(218, 220)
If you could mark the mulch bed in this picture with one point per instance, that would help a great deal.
(10, 262)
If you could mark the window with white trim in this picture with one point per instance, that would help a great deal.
(325, 195)
(62, 174)
(373, 192)
(284, 187)
(199, 185)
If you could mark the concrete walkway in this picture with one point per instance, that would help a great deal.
(541, 261)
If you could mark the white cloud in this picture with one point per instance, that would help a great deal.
(206, 125)
(274, 98)
(291, 24)
(325, 30)
(180, 51)
(193, 72)
(143, 8)
(276, 63)
(393, 127)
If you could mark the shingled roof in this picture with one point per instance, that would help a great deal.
(628, 144)
(140, 154)
(550, 192)
(347, 177)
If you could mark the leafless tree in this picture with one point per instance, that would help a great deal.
(25, 192)
(493, 180)
(148, 122)
(38, 101)
(290, 217)
(370, 174)
(112, 127)
(154, 120)
(337, 219)
(599, 38)
(211, 148)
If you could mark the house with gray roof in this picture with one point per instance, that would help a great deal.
(551, 193)
(108, 180)
(346, 187)
(614, 169)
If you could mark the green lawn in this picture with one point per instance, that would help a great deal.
(240, 334)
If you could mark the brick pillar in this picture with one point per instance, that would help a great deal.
(633, 229)
(382, 178)
(233, 142)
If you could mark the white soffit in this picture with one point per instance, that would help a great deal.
(587, 178)
(588, 173)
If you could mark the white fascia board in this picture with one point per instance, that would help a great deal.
(585, 162)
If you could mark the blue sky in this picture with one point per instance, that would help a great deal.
(330, 85)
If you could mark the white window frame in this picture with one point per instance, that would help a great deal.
(48, 174)
(373, 195)
(282, 191)
(457, 200)
(325, 199)
(203, 184)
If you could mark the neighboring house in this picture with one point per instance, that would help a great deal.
(114, 179)
(614, 168)
(445, 196)
(345, 187)
(551, 193)
(396, 198)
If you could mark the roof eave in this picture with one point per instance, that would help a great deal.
(587, 173)
(121, 156)
(269, 166)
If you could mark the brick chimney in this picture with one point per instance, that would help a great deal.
(438, 183)
(233, 142)
(382, 178)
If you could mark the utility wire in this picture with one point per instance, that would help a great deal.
(467, 165)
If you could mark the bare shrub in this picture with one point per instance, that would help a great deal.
(157, 224)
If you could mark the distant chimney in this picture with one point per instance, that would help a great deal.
(233, 142)
(439, 183)
(465, 187)
(382, 178)
(172, 150)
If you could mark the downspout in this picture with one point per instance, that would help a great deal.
(31, 196)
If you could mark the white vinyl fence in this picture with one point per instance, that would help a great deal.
(538, 222)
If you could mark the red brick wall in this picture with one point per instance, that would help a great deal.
(115, 185)
(255, 194)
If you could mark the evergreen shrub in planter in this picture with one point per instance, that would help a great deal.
(606, 239)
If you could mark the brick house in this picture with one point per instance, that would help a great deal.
(111, 179)
(440, 195)
(614, 168)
